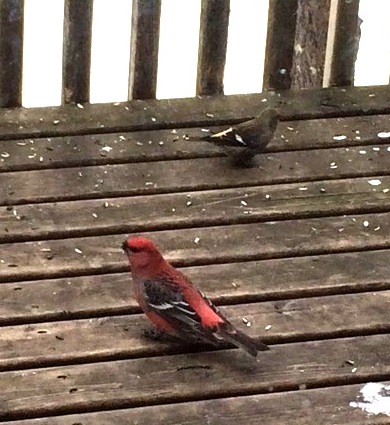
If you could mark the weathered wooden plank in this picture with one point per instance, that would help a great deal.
(73, 256)
(145, 32)
(107, 295)
(279, 51)
(204, 208)
(11, 52)
(346, 43)
(213, 35)
(188, 175)
(113, 338)
(56, 152)
(167, 379)
(76, 62)
(323, 406)
(310, 44)
(171, 113)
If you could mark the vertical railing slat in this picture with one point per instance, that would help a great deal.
(346, 43)
(76, 61)
(145, 33)
(213, 35)
(279, 49)
(11, 52)
(310, 44)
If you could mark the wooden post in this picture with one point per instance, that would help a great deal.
(279, 50)
(214, 23)
(346, 43)
(76, 62)
(11, 52)
(145, 32)
(310, 44)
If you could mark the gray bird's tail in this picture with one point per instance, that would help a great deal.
(241, 340)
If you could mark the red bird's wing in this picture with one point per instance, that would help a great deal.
(166, 299)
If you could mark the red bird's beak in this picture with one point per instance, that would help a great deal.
(125, 248)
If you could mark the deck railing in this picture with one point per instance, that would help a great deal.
(298, 42)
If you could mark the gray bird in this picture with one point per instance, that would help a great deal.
(251, 137)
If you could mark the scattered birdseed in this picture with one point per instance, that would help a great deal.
(5, 155)
(173, 209)
(267, 196)
(322, 190)
(385, 190)
(372, 95)
(106, 204)
(333, 165)
(41, 159)
(303, 188)
(46, 250)
(290, 128)
(21, 143)
(94, 215)
(189, 203)
(185, 137)
(161, 143)
(351, 362)
(196, 240)
(366, 223)
(210, 115)
(244, 320)
(341, 230)
(246, 212)
(174, 131)
(244, 203)
(55, 122)
(354, 370)
(149, 184)
(234, 285)
(374, 182)
(362, 152)
(339, 137)
(78, 251)
(384, 135)
(268, 327)
(205, 130)
(32, 156)
(80, 106)
(80, 174)
(139, 144)
(377, 228)
(358, 138)
(123, 138)
(106, 148)
(153, 119)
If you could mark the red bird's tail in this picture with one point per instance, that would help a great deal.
(239, 339)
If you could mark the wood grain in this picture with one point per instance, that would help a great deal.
(76, 61)
(202, 208)
(231, 283)
(103, 254)
(187, 175)
(213, 36)
(11, 52)
(302, 407)
(71, 151)
(145, 32)
(167, 379)
(113, 338)
(68, 120)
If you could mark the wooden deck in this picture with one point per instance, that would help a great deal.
(298, 246)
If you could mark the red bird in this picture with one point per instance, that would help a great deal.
(174, 305)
